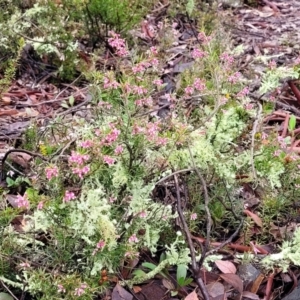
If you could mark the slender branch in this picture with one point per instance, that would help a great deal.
(254, 131)
(172, 174)
(18, 150)
(228, 241)
(195, 266)
(6, 287)
(208, 215)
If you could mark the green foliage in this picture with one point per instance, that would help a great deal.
(270, 79)
(289, 254)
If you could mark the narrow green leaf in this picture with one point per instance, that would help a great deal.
(149, 265)
(292, 122)
(138, 273)
(10, 182)
(5, 296)
(181, 272)
(190, 7)
(71, 100)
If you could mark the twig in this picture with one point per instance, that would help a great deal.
(254, 130)
(195, 267)
(172, 174)
(18, 150)
(228, 241)
(6, 287)
(75, 108)
(206, 202)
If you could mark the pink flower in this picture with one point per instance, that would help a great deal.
(199, 84)
(228, 59)
(145, 101)
(132, 254)
(189, 90)
(22, 201)
(223, 100)
(158, 82)
(51, 172)
(78, 158)
(112, 199)
(204, 38)
(110, 84)
(244, 92)
(24, 265)
(81, 171)
(248, 106)
(264, 136)
(153, 50)
(143, 214)
(119, 44)
(111, 137)
(137, 129)
(154, 62)
(139, 90)
(193, 216)
(109, 160)
(40, 205)
(276, 153)
(133, 239)
(234, 78)
(197, 53)
(68, 196)
(272, 64)
(86, 144)
(118, 150)
(100, 244)
(272, 99)
(60, 288)
(79, 291)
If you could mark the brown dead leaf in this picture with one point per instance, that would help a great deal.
(30, 112)
(233, 280)
(5, 100)
(21, 159)
(8, 112)
(12, 200)
(225, 266)
(256, 284)
(216, 290)
(168, 284)
(192, 296)
(136, 289)
(119, 293)
(257, 220)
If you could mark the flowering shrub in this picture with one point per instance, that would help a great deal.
(97, 211)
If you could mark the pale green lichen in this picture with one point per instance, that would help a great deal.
(290, 253)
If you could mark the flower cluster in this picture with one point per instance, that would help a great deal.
(133, 239)
(79, 291)
(119, 44)
(100, 245)
(51, 172)
(69, 196)
(78, 159)
(234, 78)
(22, 201)
(198, 84)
